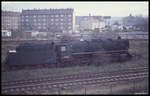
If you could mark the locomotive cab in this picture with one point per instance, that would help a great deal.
(64, 52)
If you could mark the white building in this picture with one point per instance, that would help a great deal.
(91, 23)
(6, 33)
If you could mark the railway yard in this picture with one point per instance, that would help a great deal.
(61, 48)
(130, 77)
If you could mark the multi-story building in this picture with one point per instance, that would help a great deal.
(92, 22)
(135, 23)
(47, 20)
(10, 23)
(129, 20)
(10, 20)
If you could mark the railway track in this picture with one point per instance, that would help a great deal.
(75, 76)
(72, 80)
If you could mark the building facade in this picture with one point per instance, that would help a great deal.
(10, 20)
(92, 22)
(50, 20)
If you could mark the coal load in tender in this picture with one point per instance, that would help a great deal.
(34, 54)
(33, 47)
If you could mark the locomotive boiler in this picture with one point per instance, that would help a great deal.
(73, 53)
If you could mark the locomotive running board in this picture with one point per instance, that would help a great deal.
(99, 52)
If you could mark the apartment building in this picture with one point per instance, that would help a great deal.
(50, 20)
(10, 20)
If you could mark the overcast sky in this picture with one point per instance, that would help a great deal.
(84, 8)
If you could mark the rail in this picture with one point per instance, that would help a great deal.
(81, 80)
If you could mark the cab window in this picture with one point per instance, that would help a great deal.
(63, 48)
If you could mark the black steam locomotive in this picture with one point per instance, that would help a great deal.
(73, 53)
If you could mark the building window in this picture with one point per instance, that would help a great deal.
(34, 24)
(34, 19)
(69, 23)
(31, 16)
(63, 48)
(52, 19)
(61, 27)
(56, 15)
(22, 17)
(44, 19)
(69, 27)
(69, 15)
(44, 27)
(61, 23)
(52, 15)
(44, 23)
(39, 16)
(27, 20)
(69, 19)
(56, 19)
(61, 15)
(56, 23)
(52, 23)
(61, 19)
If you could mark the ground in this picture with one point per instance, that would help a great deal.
(139, 47)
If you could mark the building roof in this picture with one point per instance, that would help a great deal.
(10, 13)
(47, 11)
